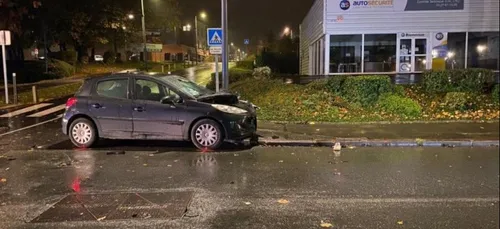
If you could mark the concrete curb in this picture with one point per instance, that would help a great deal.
(383, 143)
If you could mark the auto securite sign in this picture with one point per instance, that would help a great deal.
(393, 5)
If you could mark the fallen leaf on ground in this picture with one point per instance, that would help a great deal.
(283, 201)
(325, 224)
(101, 219)
(145, 164)
(248, 203)
(400, 222)
(3, 180)
(281, 161)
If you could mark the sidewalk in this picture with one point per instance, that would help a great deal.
(410, 134)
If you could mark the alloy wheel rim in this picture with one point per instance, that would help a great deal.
(82, 133)
(206, 135)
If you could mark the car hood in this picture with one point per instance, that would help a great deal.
(226, 98)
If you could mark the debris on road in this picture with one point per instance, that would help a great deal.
(400, 222)
(3, 180)
(325, 224)
(283, 201)
(247, 203)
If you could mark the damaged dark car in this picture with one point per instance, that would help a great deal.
(151, 106)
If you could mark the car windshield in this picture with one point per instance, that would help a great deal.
(186, 86)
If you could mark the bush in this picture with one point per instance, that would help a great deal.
(318, 85)
(335, 83)
(262, 73)
(399, 90)
(471, 80)
(235, 75)
(365, 90)
(60, 69)
(459, 80)
(245, 64)
(436, 81)
(495, 94)
(459, 101)
(397, 105)
(109, 57)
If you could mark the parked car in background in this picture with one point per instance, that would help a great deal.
(98, 58)
(152, 107)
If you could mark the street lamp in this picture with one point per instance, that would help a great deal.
(287, 31)
(143, 22)
(232, 44)
(203, 15)
(131, 16)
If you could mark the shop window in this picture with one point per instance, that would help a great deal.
(380, 53)
(345, 53)
(483, 50)
(455, 59)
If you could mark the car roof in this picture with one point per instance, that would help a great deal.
(128, 73)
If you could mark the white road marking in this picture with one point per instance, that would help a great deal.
(48, 111)
(29, 127)
(25, 110)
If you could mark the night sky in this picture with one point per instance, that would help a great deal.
(251, 19)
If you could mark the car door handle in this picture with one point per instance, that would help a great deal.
(139, 109)
(97, 105)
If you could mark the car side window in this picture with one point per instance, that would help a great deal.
(117, 88)
(149, 90)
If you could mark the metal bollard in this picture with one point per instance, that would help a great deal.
(35, 96)
(14, 84)
(162, 68)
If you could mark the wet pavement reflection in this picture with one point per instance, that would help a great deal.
(407, 183)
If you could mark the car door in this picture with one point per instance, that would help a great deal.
(151, 118)
(111, 107)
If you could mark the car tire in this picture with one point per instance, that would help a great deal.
(207, 134)
(82, 133)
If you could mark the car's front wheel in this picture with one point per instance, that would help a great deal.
(207, 134)
(82, 133)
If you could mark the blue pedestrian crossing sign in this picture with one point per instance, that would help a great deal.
(246, 41)
(214, 36)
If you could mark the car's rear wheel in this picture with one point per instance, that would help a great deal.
(207, 134)
(82, 133)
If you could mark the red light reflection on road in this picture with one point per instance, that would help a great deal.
(76, 185)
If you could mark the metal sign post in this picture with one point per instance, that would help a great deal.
(216, 51)
(225, 73)
(217, 73)
(5, 40)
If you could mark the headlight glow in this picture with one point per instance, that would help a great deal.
(229, 109)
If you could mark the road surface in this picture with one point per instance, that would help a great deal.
(138, 184)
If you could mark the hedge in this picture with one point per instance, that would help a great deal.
(245, 64)
(365, 90)
(235, 75)
(69, 56)
(458, 80)
(34, 71)
(335, 84)
(400, 106)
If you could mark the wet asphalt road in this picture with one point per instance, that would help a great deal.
(240, 187)
(357, 188)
